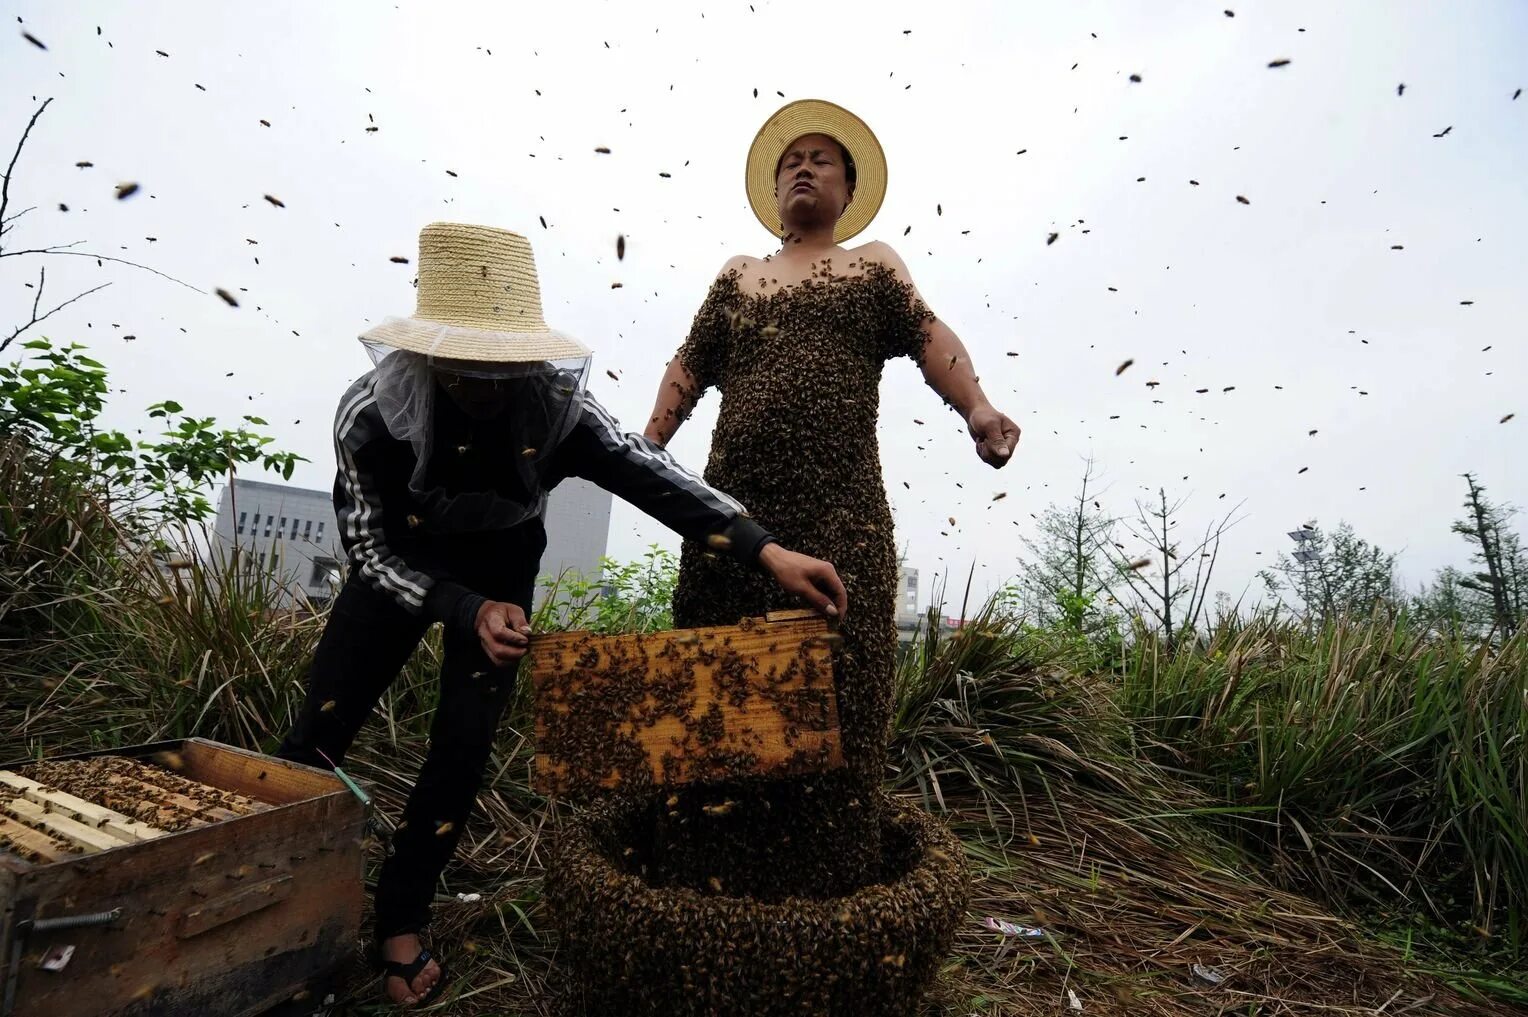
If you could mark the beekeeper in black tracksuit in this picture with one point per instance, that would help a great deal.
(446, 451)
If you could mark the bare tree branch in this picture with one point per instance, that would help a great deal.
(1154, 526)
(9, 222)
(5, 184)
(63, 249)
(42, 277)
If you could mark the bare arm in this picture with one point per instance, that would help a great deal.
(949, 371)
(677, 395)
(680, 390)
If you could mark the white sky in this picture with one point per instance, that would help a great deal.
(1210, 293)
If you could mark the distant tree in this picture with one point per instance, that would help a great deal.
(1447, 607)
(1515, 567)
(1067, 578)
(1350, 576)
(1499, 550)
(1168, 583)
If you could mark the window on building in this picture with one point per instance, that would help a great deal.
(281, 530)
(307, 529)
(320, 531)
(326, 572)
(254, 525)
(268, 521)
(242, 517)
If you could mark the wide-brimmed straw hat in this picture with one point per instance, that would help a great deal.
(817, 116)
(478, 300)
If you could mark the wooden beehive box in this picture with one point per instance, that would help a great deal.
(669, 708)
(228, 901)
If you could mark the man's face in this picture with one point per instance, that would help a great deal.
(811, 184)
(479, 398)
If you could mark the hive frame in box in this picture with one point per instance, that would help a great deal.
(230, 918)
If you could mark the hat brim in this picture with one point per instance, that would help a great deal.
(453, 342)
(817, 116)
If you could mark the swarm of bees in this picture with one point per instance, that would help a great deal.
(718, 855)
(634, 930)
(152, 793)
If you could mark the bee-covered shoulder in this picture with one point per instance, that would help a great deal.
(878, 252)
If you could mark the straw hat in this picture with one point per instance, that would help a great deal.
(817, 116)
(478, 300)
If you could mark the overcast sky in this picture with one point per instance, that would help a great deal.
(1375, 348)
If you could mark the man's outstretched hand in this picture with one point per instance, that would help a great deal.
(504, 631)
(813, 580)
(996, 436)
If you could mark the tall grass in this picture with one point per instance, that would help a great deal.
(107, 638)
(1368, 759)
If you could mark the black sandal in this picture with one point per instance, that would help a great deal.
(408, 972)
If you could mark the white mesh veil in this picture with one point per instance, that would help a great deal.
(538, 403)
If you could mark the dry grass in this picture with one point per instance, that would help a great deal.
(1126, 920)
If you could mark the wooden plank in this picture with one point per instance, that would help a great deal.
(264, 778)
(249, 899)
(794, 614)
(87, 838)
(675, 707)
(30, 841)
(119, 826)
